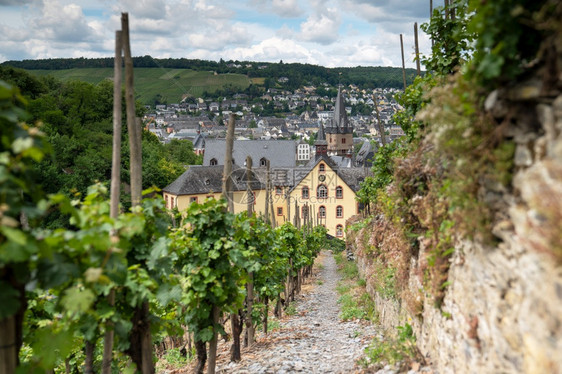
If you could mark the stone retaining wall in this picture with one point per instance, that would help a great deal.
(502, 312)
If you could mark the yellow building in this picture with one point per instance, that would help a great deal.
(327, 193)
(321, 189)
(202, 182)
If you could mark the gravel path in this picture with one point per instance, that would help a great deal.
(314, 340)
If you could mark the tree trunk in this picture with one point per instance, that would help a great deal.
(379, 124)
(267, 217)
(277, 311)
(115, 186)
(108, 339)
(140, 349)
(227, 171)
(11, 327)
(8, 347)
(201, 351)
(89, 361)
(266, 302)
(141, 341)
(236, 328)
(213, 343)
(132, 125)
(250, 302)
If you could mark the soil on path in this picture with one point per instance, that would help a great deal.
(313, 340)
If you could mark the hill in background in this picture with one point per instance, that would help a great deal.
(172, 79)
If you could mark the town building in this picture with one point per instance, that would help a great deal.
(339, 132)
(321, 191)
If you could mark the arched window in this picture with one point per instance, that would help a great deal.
(339, 192)
(166, 198)
(339, 211)
(322, 212)
(213, 162)
(322, 192)
(304, 212)
(305, 192)
(263, 161)
(339, 231)
(322, 168)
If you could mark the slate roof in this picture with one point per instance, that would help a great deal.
(199, 142)
(320, 137)
(339, 124)
(280, 153)
(365, 154)
(208, 179)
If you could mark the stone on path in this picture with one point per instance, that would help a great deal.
(314, 340)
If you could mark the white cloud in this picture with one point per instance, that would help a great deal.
(282, 8)
(151, 9)
(286, 8)
(220, 37)
(321, 27)
(270, 50)
(15, 2)
(59, 22)
(259, 30)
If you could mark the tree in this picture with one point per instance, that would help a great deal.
(19, 197)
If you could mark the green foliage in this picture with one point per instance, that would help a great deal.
(262, 255)
(291, 309)
(400, 350)
(451, 36)
(181, 151)
(335, 245)
(77, 121)
(205, 257)
(509, 33)
(174, 359)
(350, 309)
(20, 146)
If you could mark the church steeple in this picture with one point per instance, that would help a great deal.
(340, 116)
(321, 144)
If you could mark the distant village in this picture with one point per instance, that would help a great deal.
(314, 163)
(303, 112)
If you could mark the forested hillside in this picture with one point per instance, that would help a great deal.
(298, 74)
(76, 118)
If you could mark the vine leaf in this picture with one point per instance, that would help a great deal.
(77, 300)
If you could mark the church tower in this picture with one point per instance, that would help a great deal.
(339, 132)
(321, 144)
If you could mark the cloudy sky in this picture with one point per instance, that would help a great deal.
(331, 33)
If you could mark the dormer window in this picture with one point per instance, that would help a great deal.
(213, 162)
(263, 161)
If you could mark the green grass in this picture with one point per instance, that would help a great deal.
(272, 324)
(350, 308)
(400, 350)
(174, 359)
(354, 300)
(171, 84)
(291, 309)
